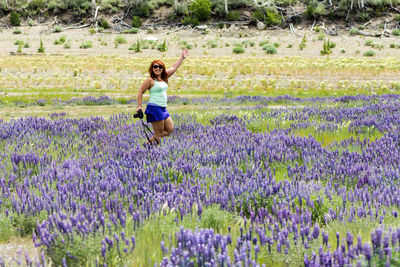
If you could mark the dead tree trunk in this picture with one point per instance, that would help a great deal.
(226, 6)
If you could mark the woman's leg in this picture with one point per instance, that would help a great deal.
(168, 126)
(158, 127)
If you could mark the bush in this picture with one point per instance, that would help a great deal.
(67, 45)
(190, 21)
(181, 10)
(41, 47)
(61, 40)
(131, 31)
(120, 40)
(233, 15)
(92, 31)
(136, 22)
(321, 36)
(15, 18)
(19, 42)
(87, 44)
(57, 29)
(369, 53)
(315, 10)
(104, 24)
(238, 50)
(201, 9)
(162, 47)
(326, 48)
(272, 17)
(397, 17)
(396, 32)
(270, 49)
(392, 45)
(17, 31)
(353, 31)
(369, 42)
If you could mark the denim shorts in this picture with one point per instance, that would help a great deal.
(156, 113)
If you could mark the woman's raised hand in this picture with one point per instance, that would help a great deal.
(185, 53)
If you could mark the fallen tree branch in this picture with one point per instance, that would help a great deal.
(293, 30)
(76, 27)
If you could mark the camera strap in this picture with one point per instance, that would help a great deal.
(149, 130)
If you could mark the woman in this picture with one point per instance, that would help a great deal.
(156, 110)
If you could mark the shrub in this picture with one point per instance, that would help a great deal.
(233, 15)
(136, 22)
(104, 24)
(19, 42)
(61, 40)
(342, 51)
(87, 44)
(369, 42)
(190, 21)
(238, 50)
(67, 45)
(289, 45)
(321, 36)
(26, 45)
(162, 47)
(353, 31)
(221, 25)
(17, 31)
(212, 44)
(41, 47)
(15, 18)
(201, 9)
(131, 31)
(181, 10)
(57, 29)
(272, 17)
(270, 49)
(120, 40)
(369, 53)
(92, 31)
(396, 32)
(315, 10)
(397, 17)
(326, 48)
(392, 45)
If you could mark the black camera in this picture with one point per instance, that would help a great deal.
(139, 114)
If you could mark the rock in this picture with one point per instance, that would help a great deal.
(247, 14)
(201, 27)
(150, 38)
(260, 26)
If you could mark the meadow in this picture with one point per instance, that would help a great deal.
(275, 161)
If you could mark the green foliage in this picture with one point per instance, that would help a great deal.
(326, 48)
(57, 29)
(369, 42)
(19, 42)
(362, 17)
(185, 44)
(200, 9)
(190, 21)
(272, 17)
(35, 6)
(392, 45)
(67, 45)
(86, 45)
(396, 32)
(215, 218)
(17, 31)
(233, 15)
(6, 229)
(60, 40)
(238, 50)
(369, 53)
(212, 43)
(315, 10)
(397, 17)
(181, 10)
(110, 6)
(353, 31)
(41, 47)
(136, 22)
(270, 49)
(104, 24)
(119, 40)
(136, 47)
(131, 31)
(162, 47)
(92, 31)
(15, 18)
(321, 36)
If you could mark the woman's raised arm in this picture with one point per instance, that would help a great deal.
(175, 66)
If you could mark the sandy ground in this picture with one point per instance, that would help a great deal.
(103, 43)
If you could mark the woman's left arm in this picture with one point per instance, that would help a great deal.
(175, 66)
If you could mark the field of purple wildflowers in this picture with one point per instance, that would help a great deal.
(280, 181)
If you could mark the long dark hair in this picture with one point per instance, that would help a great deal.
(164, 75)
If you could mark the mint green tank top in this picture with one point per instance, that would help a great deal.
(158, 93)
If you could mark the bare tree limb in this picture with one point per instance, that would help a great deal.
(76, 27)
(293, 30)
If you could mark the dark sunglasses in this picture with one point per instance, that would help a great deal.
(157, 67)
